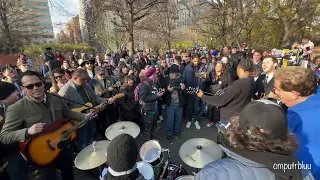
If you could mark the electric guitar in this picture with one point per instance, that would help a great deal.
(88, 108)
(43, 148)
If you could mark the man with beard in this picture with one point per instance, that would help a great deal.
(192, 78)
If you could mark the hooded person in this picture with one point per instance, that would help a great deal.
(122, 157)
(260, 146)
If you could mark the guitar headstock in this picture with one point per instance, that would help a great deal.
(192, 90)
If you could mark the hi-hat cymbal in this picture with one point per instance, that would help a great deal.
(122, 127)
(199, 152)
(92, 156)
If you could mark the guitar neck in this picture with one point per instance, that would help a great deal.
(97, 109)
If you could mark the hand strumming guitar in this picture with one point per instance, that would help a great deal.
(36, 128)
(90, 116)
(111, 100)
(200, 93)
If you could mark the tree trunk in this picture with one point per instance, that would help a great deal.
(6, 28)
(130, 32)
(289, 29)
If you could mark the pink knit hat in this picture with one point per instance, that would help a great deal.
(150, 72)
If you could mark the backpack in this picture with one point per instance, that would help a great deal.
(136, 93)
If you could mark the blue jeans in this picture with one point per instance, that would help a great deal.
(204, 108)
(193, 107)
(174, 116)
(86, 134)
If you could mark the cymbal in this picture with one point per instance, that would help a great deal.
(92, 156)
(199, 152)
(122, 127)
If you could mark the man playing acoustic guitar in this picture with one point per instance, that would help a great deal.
(78, 90)
(32, 114)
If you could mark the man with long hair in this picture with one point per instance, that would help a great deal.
(296, 87)
(259, 143)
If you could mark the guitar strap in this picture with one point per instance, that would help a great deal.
(71, 100)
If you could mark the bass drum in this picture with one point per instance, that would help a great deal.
(173, 171)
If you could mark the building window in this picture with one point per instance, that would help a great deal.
(46, 24)
(47, 30)
(28, 2)
(44, 4)
(45, 17)
(43, 11)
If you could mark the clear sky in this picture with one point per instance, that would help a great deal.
(61, 12)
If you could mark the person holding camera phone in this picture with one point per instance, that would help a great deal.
(175, 100)
(149, 97)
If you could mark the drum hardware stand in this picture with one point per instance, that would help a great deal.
(166, 163)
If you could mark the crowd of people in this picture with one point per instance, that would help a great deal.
(265, 114)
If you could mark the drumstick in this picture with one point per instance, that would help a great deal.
(4, 165)
(164, 170)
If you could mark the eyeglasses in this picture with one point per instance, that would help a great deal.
(89, 63)
(31, 86)
(60, 77)
(101, 74)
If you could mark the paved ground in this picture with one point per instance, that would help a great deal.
(204, 132)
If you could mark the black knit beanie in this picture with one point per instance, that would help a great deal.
(122, 153)
(6, 89)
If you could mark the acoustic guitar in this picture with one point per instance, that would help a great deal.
(43, 148)
(88, 108)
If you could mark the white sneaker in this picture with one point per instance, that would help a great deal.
(188, 124)
(197, 125)
(161, 118)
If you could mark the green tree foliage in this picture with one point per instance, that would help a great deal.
(64, 48)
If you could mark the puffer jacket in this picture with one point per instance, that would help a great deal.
(238, 167)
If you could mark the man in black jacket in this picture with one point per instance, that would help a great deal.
(238, 94)
(264, 84)
(174, 99)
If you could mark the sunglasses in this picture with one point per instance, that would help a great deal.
(31, 86)
(89, 63)
(60, 77)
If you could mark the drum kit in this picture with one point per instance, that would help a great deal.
(196, 153)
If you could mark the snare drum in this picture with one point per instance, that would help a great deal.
(187, 177)
(173, 171)
(146, 170)
(151, 153)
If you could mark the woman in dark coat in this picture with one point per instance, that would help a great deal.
(127, 104)
(217, 80)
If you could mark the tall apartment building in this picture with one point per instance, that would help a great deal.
(37, 19)
(73, 30)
